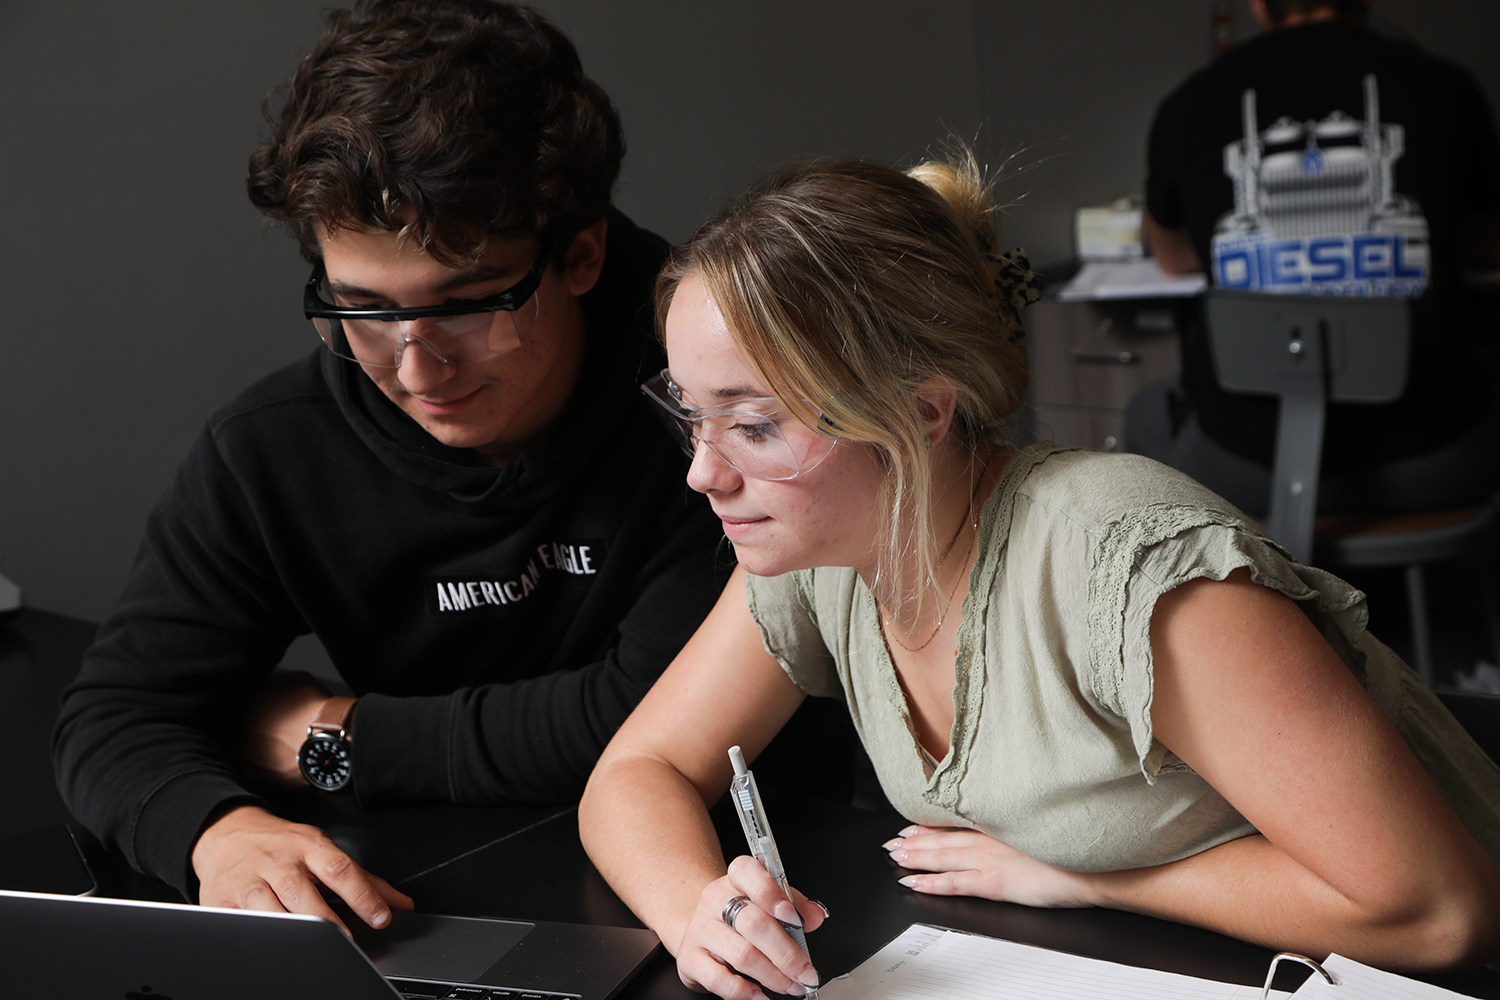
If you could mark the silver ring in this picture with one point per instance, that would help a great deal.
(732, 909)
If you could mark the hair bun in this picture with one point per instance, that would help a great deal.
(964, 188)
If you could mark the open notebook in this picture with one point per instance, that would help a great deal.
(930, 962)
(73, 946)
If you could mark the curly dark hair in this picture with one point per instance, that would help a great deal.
(450, 121)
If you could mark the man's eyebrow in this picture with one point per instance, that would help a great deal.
(352, 290)
(463, 279)
(481, 275)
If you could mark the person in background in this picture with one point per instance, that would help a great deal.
(1317, 77)
(1085, 679)
(461, 492)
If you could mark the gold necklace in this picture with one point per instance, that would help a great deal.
(890, 633)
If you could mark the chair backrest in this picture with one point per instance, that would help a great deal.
(1306, 350)
(1480, 715)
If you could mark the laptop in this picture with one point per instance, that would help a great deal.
(91, 948)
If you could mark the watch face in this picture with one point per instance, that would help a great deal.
(324, 760)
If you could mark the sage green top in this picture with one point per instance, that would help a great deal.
(1051, 748)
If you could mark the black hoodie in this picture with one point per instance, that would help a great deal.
(497, 624)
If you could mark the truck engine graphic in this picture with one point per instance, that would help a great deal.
(1316, 209)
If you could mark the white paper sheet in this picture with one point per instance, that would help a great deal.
(1136, 279)
(1351, 979)
(931, 963)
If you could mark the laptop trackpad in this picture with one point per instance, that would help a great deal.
(429, 946)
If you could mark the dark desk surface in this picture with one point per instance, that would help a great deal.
(528, 863)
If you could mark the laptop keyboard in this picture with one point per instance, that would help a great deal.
(411, 990)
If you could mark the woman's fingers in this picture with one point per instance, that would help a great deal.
(932, 850)
(735, 949)
(752, 880)
(700, 970)
(971, 863)
(758, 946)
(813, 912)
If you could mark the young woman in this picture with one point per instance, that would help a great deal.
(1086, 680)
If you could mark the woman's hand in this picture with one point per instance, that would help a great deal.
(970, 863)
(658, 775)
(714, 957)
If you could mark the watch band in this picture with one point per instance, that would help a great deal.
(324, 758)
(333, 718)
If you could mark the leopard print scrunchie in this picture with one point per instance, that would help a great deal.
(1015, 287)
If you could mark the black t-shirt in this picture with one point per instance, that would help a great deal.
(1450, 167)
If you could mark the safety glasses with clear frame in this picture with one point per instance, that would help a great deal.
(754, 436)
(457, 332)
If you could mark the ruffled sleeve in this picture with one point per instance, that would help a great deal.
(784, 609)
(1155, 548)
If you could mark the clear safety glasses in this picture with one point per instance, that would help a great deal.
(755, 437)
(454, 332)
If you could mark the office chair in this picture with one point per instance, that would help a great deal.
(1309, 351)
(1479, 714)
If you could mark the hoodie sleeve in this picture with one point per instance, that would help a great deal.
(139, 744)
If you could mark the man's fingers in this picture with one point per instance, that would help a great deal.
(292, 895)
(395, 897)
(354, 886)
(256, 896)
(250, 859)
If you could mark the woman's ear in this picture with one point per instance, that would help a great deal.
(585, 258)
(936, 401)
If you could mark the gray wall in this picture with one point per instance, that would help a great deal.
(138, 289)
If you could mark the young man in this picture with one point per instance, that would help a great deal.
(463, 493)
(1401, 215)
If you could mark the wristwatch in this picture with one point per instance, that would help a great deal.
(324, 758)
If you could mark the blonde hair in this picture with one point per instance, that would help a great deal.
(848, 285)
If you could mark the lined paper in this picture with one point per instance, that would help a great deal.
(1350, 978)
(932, 963)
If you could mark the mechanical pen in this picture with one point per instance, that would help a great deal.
(752, 814)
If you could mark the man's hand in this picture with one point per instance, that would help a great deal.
(276, 722)
(248, 859)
